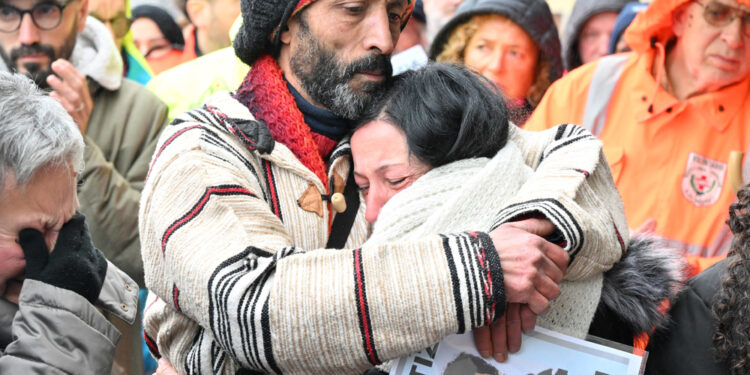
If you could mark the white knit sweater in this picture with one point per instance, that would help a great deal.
(466, 195)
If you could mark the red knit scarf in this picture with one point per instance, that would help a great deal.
(265, 93)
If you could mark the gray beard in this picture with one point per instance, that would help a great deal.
(328, 82)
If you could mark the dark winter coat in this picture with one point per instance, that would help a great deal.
(582, 11)
(533, 16)
(685, 346)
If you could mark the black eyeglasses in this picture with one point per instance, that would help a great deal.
(46, 15)
(719, 15)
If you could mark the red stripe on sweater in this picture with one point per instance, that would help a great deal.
(215, 190)
(272, 189)
(176, 297)
(151, 344)
(363, 318)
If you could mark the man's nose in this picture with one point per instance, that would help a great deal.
(28, 33)
(733, 34)
(380, 35)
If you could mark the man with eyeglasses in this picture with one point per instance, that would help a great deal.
(669, 114)
(73, 57)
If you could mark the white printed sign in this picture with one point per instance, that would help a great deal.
(543, 352)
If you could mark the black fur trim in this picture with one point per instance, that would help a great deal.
(634, 289)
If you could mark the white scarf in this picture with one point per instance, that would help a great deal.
(467, 195)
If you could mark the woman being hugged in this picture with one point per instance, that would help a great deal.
(438, 155)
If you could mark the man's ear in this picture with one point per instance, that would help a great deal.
(83, 12)
(286, 31)
(198, 13)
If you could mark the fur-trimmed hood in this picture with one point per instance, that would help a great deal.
(635, 288)
(95, 55)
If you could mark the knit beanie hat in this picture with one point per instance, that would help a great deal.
(163, 21)
(263, 21)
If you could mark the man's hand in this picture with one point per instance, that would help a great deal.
(504, 335)
(532, 266)
(74, 263)
(72, 91)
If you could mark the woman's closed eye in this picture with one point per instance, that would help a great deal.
(397, 182)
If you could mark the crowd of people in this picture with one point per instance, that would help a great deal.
(244, 186)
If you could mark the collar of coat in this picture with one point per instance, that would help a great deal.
(265, 94)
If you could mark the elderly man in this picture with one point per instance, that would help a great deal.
(49, 321)
(251, 222)
(71, 54)
(669, 113)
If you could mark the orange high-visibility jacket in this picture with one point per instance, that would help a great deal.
(669, 162)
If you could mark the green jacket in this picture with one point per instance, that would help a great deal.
(120, 139)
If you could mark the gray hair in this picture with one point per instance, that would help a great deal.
(35, 131)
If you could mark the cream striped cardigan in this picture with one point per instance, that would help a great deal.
(242, 278)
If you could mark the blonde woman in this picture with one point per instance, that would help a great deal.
(513, 43)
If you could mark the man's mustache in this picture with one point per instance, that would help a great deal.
(375, 63)
(32, 49)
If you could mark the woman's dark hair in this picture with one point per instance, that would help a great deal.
(447, 112)
(731, 310)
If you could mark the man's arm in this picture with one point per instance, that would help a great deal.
(572, 187)
(214, 250)
(233, 268)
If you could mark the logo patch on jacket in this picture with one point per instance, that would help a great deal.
(703, 180)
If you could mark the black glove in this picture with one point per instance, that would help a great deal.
(74, 264)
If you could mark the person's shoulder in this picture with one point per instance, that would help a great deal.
(136, 91)
(706, 284)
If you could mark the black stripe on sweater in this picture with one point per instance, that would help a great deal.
(566, 143)
(555, 212)
(363, 310)
(212, 138)
(273, 193)
(456, 284)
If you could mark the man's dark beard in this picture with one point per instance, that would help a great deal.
(328, 82)
(35, 71)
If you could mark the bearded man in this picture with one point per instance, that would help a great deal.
(250, 220)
